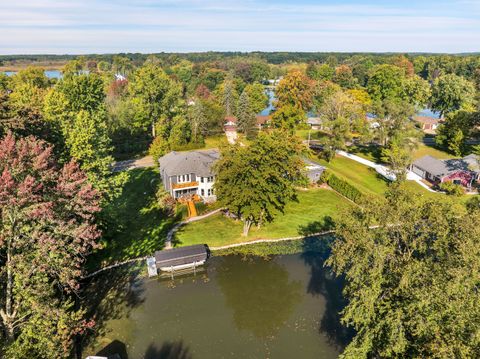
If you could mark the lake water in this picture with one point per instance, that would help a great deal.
(51, 74)
(271, 98)
(286, 307)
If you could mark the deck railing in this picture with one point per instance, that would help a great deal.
(185, 185)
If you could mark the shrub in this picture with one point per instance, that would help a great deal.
(158, 148)
(341, 186)
(165, 201)
(451, 188)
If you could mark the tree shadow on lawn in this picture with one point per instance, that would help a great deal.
(133, 224)
(316, 250)
(372, 152)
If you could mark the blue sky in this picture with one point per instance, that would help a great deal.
(107, 26)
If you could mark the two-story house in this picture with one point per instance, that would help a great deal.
(189, 173)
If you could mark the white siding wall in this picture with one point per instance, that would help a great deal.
(206, 187)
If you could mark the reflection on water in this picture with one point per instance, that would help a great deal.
(280, 308)
(260, 293)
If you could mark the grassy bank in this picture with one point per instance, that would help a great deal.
(134, 225)
(366, 179)
(320, 244)
(312, 213)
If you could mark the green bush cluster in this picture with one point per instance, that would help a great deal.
(341, 186)
(451, 188)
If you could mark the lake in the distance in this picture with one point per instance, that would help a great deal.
(51, 74)
(286, 307)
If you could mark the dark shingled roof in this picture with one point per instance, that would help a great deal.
(444, 167)
(432, 165)
(180, 163)
(183, 255)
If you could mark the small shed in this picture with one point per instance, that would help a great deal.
(181, 258)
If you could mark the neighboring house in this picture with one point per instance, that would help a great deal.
(462, 171)
(231, 122)
(189, 173)
(427, 124)
(230, 128)
(263, 121)
(315, 123)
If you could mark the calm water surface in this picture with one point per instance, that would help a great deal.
(51, 74)
(285, 307)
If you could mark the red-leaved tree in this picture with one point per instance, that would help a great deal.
(47, 229)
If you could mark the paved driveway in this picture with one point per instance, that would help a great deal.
(143, 162)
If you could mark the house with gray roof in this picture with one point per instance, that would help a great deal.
(189, 173)
(463, 171)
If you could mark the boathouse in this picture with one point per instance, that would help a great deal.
(181, 258)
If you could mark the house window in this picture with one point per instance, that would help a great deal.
(457, 181)
(183, 178)
(209, 191)
(201, 179)
(203, 192)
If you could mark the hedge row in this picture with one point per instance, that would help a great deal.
(341, 186)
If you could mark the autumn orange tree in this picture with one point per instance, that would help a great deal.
(295, 89)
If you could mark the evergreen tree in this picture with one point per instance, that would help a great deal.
(246, 116)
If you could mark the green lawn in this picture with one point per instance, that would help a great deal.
(215, 141)
(134, 225)
(314, 134)
(373, 153)
(369, 182)
(424, 150)
(310, 214)
(361, 176)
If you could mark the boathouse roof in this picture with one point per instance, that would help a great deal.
(181, 256)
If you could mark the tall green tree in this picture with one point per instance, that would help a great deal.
(255, 182)
(198, 121)
(288, 117)
(88, 143)
(247, 119)
(455, 130)
(154, 96)
(229, 96)
(341, 116)
(257, 97)
(393, 118)
(344, 77)
(322, 72)
(46, 231)
(385, 82)
(398, 154)
(25, 97)
(416, 91)
(452, 93)
(412, 268)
